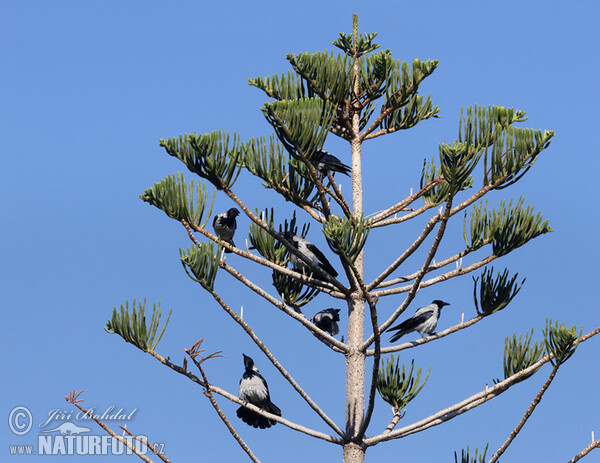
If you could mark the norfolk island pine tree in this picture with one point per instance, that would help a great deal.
(360, 94)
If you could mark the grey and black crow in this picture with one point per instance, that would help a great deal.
(254, 389)
(326, 320)
(324, 162)
(224, 225)
(310, 252)
(424, 321)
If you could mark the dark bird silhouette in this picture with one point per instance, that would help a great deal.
(224, 225)
(325, 162)
(254, 389)
(424, 321)
(326, 320)
(310, 252)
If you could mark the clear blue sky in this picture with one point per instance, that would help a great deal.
(87, 90)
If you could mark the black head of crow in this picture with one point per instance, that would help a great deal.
(224, 225)
(327, 320)
(310, 252)
(325, 162)
(424, 321)
(254, 389)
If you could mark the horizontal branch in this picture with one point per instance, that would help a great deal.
(439, 278)
(467, 404)
(404, 218)
(405, 202)
(254, 408)
(420, 341)
(432, 267)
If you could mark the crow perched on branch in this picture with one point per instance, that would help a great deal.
(310, 252)
(224, 225)
(325, 162)
(326, 320)
(254, 389)
(424, 321)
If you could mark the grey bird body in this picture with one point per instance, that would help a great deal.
(325, 162)
(424, 321)
(253, 388)
(327, 320)
(310, 252)
(224, 225)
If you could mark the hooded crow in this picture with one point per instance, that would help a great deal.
(311, 253)
(325, 162)
(224, 225)
(254, 389)
(424, 321)
(326, 320)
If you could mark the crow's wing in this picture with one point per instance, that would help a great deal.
(321, 257)
(330, 162)
(410, 325)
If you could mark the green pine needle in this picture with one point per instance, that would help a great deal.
(132, 327)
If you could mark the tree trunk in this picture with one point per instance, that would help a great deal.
(355, 379)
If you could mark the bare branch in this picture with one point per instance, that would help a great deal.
(526, 416)
(415, 285)
(398, 415)
(134, 437)
(254, 408)
(442, 277)
(338, 196)
(420, 341)
(377, 353)
(405, 202)
(585, 451)
(277, 365)
(432, 267)
(411, 249)
(404, 218)
(309, 281)
(323, 336)
(467, 404)
(73, 398)
(208, 393)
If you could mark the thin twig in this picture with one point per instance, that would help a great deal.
(134, 437)
(442, 277)
(585, 451)
(342, 201)
(402, 205)
(432, 267)
(526, 416)
(73, 399)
